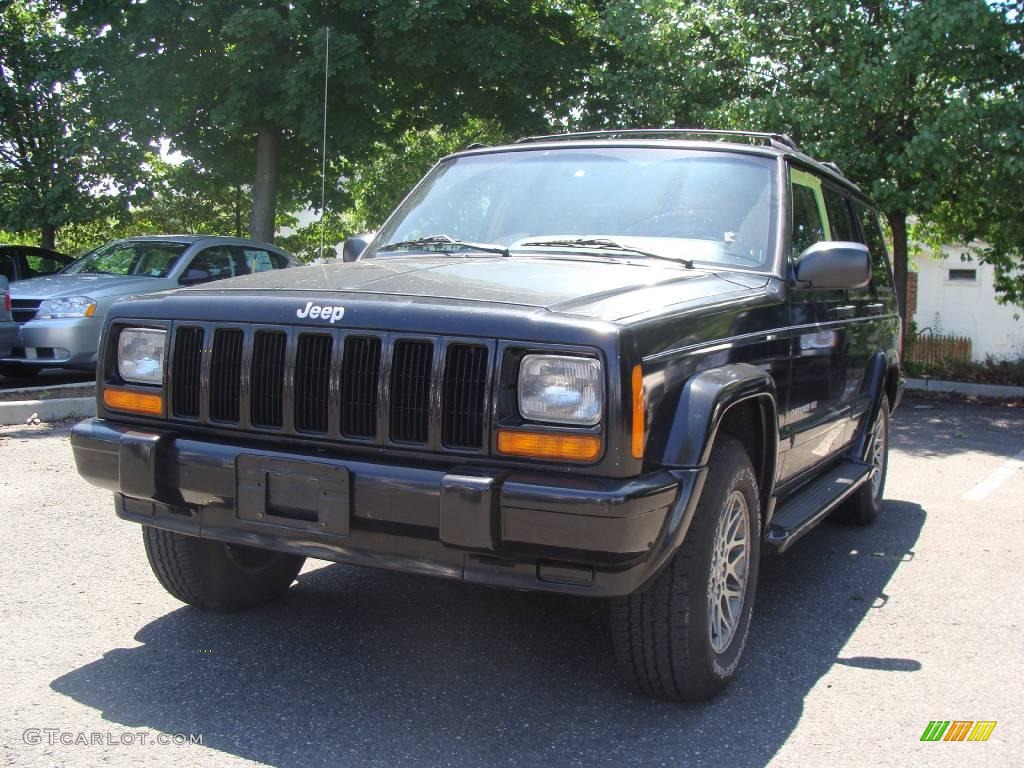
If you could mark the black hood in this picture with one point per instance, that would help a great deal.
(611, 290)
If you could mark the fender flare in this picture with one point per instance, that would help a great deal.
(874, 383)
(703, 404)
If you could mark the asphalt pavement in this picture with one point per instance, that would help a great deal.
(861, 636)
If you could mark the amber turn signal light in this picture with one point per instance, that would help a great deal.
(540, 445)
(134, 402)
(639, 414)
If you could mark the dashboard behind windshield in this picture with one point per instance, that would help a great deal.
(702, 205)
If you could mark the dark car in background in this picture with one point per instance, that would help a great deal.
(60, 316)
(21, 262)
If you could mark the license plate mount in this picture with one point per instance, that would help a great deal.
(303, 495)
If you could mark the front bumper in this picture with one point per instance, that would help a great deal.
(60, 343)
(559, 533)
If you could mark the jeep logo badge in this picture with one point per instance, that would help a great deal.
(320, 312)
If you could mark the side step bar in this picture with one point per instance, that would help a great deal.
(806, 508)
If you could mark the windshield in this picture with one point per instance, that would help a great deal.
(138, 259)
(690, 205)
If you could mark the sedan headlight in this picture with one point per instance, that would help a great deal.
(71, 306)
(140, 355)
(562, 390)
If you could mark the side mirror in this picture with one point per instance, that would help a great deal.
(194, 276)
(355, 245)
(834, 265)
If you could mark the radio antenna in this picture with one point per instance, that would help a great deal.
(323, 149)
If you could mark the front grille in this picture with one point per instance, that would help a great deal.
(188, 355)
(226, 375)
(465, 390)
(312, 382)
(359, 380)
(268, 352)
(329, 384)
(410, 391)
(23, 310)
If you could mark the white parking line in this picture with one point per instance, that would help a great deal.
(997, 478)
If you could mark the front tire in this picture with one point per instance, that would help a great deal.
(682, 638)
(216, 576)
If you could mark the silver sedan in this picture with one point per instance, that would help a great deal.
(60, 316)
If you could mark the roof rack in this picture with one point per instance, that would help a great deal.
(835, 168)
(776, 140)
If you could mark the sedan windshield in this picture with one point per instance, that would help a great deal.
(138, 259)
(694, 206)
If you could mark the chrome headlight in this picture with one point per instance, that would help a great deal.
(140, 355)
(562, 390)
(71, 306)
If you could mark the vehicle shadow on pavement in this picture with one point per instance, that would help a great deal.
(364, 667)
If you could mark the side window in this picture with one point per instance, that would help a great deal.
(41, 265)
(839, 217)
(809, 223)
(881, 272)
(258, 260)
(218, 263)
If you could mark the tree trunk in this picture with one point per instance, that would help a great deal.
(264, 189)
(238, 210)
(49, 236)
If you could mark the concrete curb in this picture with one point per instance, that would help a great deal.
(965, 388)
(20, 411)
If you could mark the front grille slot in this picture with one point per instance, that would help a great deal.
(465, 391)
(188, 356)
(23, 310)
(226, 375)
(359, 379)
(312, 382)
(267, 392)
(410, 391)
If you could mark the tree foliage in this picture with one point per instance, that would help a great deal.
(223, 77)
(919, 102)
(65, 157)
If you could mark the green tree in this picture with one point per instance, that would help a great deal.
(918, 102)
(239, 83)
(65, 158)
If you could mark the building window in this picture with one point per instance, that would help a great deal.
(963, 275)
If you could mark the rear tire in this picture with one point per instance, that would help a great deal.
(216, 576)
(863, 506)
(669, 640)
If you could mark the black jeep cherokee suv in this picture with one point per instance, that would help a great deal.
(611, 364)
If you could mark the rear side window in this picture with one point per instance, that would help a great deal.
(839, 216)
(881, 272)
(260, 259)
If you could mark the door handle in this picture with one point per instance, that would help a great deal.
(842, 313)
(872, 309)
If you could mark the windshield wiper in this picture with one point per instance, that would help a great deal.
(446, 240)
(606, 244)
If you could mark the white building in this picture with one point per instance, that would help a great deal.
(958, 298)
